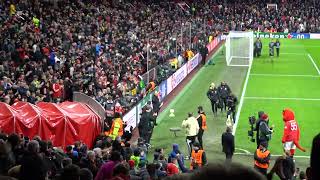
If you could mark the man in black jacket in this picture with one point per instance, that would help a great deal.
(260, 113)
(213, 95)
(224, 91)
(265, 131)
(144, 124)
(227, 141)
(156, 104)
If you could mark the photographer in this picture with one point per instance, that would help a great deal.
(260, 113)
(265, 131)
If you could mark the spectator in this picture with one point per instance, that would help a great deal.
(70, 172)
(143, 172)
(85, 174)
(121, 172)
(219, 171)
(284, 167)
(89, 162)
(32, 166)
(106, 169)
(172, 168)
(314, 159)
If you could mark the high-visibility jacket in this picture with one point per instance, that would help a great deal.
(116, 128)
(153, 86)
(262, 155)
(204, 121)
(196, 158)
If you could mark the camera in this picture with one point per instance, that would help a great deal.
(252, 121)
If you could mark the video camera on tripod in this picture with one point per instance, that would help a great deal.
(252, 122)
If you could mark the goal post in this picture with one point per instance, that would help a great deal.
(239, 48)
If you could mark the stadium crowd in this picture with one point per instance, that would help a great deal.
(49, 52)
(101, 48)
(21, 158)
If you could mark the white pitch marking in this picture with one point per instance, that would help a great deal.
(241, 100)
(314, 64)
(285, 75)
(273, 155)
(283, 98)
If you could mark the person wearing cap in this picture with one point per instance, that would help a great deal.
(262, 158)
(192, 128)
(202, 121)
(265, 131)
(213, 95)
(260, 113)
(172, 168)
(198, 157)
(224, 91)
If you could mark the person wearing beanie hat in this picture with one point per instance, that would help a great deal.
(260, 113)
(262, 158)
(172, 168)
(131, 164)
(213, 95)
(198, 157)
(265, 131)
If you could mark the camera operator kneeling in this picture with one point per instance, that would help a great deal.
(265, 131)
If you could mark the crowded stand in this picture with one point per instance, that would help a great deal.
(106, 50)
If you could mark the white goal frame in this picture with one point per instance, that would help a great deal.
(239, 34)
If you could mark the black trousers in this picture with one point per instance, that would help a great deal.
(228, 158)
(190, 140)
(214, 106)
(278, 51)
(261, 170)
(143, 135)
(224, 104)
(149, 134)
(200, 134)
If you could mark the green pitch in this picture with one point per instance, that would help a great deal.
(292, 80)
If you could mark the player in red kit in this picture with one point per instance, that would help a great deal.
(291, 133)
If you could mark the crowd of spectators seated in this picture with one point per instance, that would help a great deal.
(21, 158)
(48, 51)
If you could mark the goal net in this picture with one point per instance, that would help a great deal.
(239, 48)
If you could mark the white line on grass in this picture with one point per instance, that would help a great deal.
(299, 54)
(241, 100)
(273, 155)
(285, 75)
(314, 64)
(283, 98)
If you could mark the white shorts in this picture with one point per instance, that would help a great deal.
(289, 145)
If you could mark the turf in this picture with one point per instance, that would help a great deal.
(277, 80)
(301, 86)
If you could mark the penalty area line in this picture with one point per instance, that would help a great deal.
(282, 98)
(314, 64)
(285, 75)
(272, 155)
